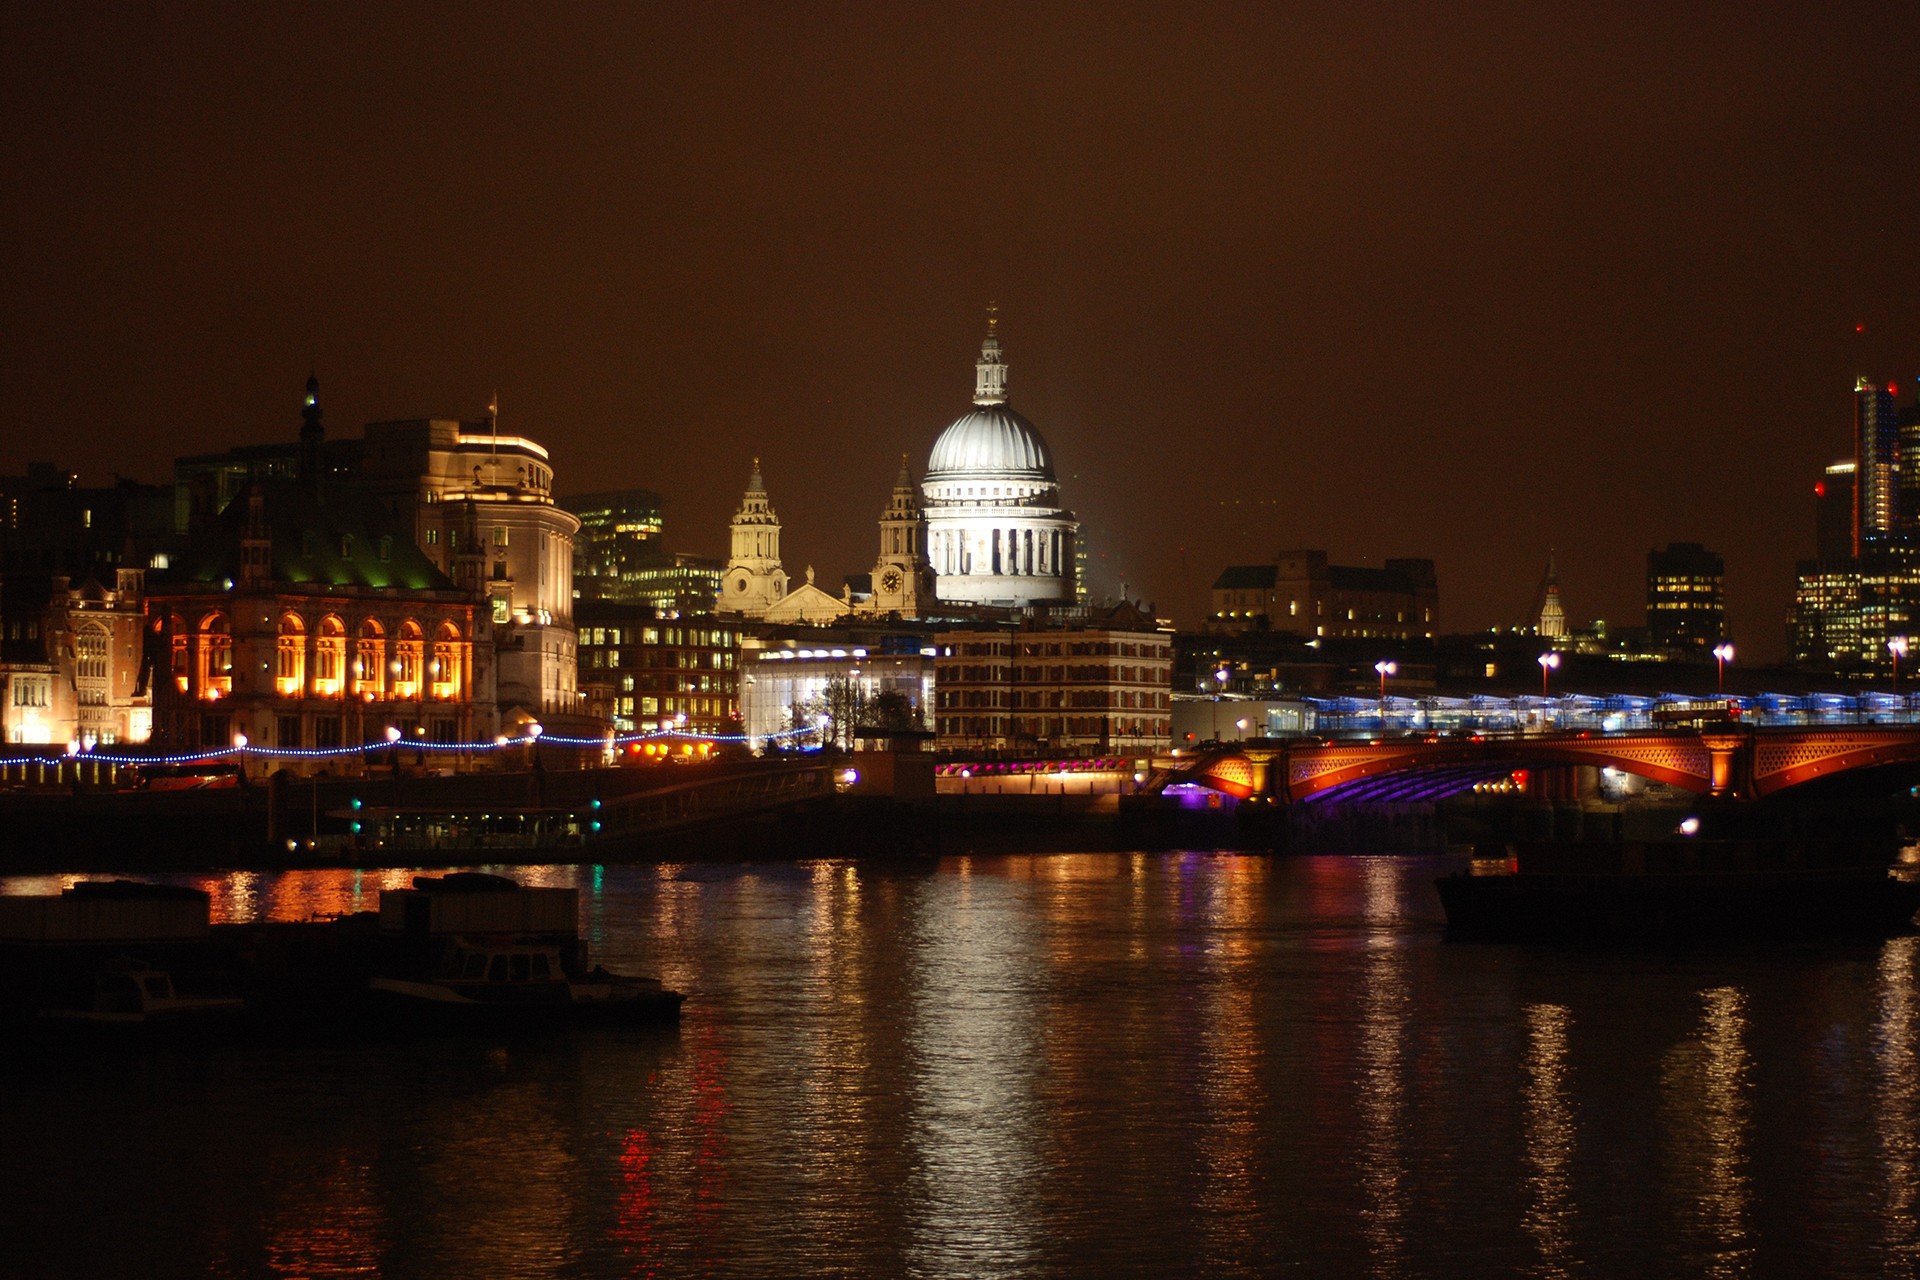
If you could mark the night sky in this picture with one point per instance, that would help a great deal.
(1466, 282)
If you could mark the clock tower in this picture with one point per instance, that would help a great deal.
(902, 577)
(753, 580)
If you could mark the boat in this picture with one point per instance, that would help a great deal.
(1679, 889)
(525, 983)
(134, 996)
(470, 948)
(113, 954)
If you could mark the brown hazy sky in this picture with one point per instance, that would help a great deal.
(1470, 282)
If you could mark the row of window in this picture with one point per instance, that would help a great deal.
(954, 699)
(666, 659)
(704, 637)
(996, 674)
(1059, 648)
(316, 664)
(1103, 727)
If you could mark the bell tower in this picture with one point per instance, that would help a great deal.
(902, 576)
(753, 579)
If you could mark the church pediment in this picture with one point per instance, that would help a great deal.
(807, 603)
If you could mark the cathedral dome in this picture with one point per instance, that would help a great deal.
(992, 442)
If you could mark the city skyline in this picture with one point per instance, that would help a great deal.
(1588, 286)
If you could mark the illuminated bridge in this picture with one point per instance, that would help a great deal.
(1736, 763)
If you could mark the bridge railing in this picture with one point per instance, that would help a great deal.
(1356, 717)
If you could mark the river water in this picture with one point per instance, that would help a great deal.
(1072, 1065)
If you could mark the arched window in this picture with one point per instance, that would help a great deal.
(290, 657)
(407, 660)
(370, 660)
(446, 669)
(178, 645)
(91, 647)
(329, 658)
(215, 656)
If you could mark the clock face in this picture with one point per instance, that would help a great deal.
(890, 580)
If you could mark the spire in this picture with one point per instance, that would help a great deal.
(990, 371)
(903, 505)
(312, 434)
(1553, 616)
(755, 506)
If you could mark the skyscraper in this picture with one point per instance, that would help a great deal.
(1833, 512)
(1686, 599)
(1876, 455)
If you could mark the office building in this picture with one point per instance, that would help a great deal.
(619, 535)
(1062, 680)
(480, 506)
(1686, 599)
(1876, 444)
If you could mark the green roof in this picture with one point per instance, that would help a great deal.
(330, 534)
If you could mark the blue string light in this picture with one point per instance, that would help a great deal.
(52, 755)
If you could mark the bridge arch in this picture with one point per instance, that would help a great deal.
(1683, 761)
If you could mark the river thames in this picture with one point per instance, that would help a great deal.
(1070, 1065)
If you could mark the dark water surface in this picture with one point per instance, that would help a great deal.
(1080, 1065)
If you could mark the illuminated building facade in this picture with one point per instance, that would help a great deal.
(305, 616)
(677, 583)
(619, 535)
(1876, 444)
(1686, 599)
(99, 643)
(1299, 593)
(753, 579)
(1844, 612)
(1552, 624)
(822, 690)
(902, 582)
(480, 505)
(653, 669)
(753, 585)
(71, 564)
(996, 532)
(1064, 680)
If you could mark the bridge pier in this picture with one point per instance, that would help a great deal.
(1730, 764)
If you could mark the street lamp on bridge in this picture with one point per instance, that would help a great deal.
(1722, 655)
(1897, 646)
(1385, 668)
(1548, 661)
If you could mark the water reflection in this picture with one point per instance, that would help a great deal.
(1232, 1071)
(1383, 1017)
(972, 1040)
(1549, 1132)
(1899, 1092)
(503, 1182)
(1708, 1117)
(327, 1221)
(1116, 1064)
